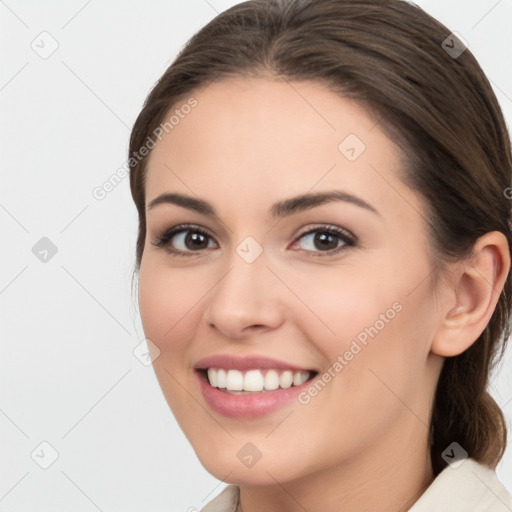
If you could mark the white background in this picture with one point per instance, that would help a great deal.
(69, 326)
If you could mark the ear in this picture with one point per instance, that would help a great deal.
(476, 285)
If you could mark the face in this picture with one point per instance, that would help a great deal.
(264, 290)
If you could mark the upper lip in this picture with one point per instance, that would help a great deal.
(229, 362)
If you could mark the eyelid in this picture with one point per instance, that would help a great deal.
(163, 238)
(348, 238)
(329, 228)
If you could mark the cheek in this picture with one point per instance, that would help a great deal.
(373, 326)
(166, 300)
(163, 296)
(339, 306)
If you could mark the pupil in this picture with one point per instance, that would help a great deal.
(324, 239)
(195, 238)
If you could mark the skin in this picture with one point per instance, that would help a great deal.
(249, 143)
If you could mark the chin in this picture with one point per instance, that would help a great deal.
(227, 464)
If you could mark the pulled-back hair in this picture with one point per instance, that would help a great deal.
(395, 60)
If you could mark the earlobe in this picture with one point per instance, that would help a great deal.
(476, 287)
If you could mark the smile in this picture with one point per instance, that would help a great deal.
(255, 380)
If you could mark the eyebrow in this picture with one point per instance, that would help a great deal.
(278, 210)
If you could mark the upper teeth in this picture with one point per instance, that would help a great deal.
(255, 380)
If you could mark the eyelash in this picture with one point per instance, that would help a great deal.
(346, 237)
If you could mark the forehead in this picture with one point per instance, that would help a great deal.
(246, 138)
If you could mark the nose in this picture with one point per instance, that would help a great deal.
(245, 301)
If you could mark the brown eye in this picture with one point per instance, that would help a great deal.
(184, 240)
(326, 240)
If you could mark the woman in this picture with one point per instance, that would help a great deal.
(324, 255)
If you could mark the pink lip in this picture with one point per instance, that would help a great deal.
(230, 362)
(246, 406)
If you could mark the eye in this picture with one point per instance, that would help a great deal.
(186, 239)
(326, 240)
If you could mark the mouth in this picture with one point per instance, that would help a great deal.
(255, 380)
(252, 386)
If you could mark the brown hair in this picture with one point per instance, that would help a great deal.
(389, 56)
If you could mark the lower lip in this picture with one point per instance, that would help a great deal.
(247, 406)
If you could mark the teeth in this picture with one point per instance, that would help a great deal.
(212, 377)
(286, 379)
(271, 380)
(221, 378)
(255, 380)
(235, 380)
(298, 380)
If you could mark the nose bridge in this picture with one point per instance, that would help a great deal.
(246, 282)
(245, 295)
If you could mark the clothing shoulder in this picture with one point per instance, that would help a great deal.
(463, 487)
(226, 501)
